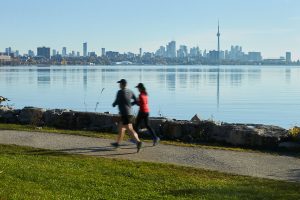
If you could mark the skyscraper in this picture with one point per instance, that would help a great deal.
(64, 51)
(8, 51)
(141, 52)
(43, 52)
(54, 52)
(288, 57)
(218, 35)
(30, 53)
(85, 51)
(103, 52)
(182, 52)
(171, 49)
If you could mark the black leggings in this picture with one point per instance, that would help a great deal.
(144, 117)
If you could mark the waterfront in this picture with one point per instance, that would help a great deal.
(246, 94)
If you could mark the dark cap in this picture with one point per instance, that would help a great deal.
(123, 81)
(140, 85)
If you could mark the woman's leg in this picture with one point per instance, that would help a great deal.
(138, 122)
(147, 124)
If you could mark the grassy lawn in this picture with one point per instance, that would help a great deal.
(27, 173)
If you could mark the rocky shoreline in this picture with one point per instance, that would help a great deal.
(193, 131)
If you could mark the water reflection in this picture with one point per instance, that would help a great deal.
(43, 76)
(230, 93)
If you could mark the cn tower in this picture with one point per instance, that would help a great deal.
(218, 35)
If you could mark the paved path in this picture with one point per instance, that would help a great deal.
(242, 163)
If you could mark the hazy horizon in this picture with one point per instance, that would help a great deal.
(266, 26)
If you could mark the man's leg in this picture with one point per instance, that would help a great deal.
(132, 132)
(121, 133)
(130, 129)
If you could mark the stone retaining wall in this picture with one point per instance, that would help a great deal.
(195, 131)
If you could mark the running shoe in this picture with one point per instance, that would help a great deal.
(115, 144)
(156, 141)
(139, 146)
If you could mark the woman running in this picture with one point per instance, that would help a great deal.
(143, 114)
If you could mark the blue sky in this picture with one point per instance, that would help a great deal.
(270, 26)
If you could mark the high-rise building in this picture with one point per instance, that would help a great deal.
(161, 51)
(64, 52)
(92, 54)
(103, 53)
(140, 52)
(236, 53)
(30, 53)
(17, 53)
(182, 52)
(214, 56)
(85, 51)
(288, 57)
(195, 52)
(8, 51)
(43, 52)
(254, 56)
(171, 49)
(78, 54)
(54, 52)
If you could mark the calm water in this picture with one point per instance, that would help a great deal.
(247, 94)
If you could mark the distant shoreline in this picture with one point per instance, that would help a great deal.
(286, 65)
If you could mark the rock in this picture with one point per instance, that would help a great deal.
(290, 145)
(5, 108)
(83, 120)
(253, 136)
(195, 130)
(103, 122)
(60, 118)
(9, 115)
(172, 130)
(157, 123)
(196, 119)
(31, 115)
(188, 139)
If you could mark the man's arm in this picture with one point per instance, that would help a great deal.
(116, 102)
(135, 100)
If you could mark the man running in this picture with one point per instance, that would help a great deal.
(123, 101)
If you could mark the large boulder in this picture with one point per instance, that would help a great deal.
(157, 123)
(9, 115)
(250, 135)
(60, 118)
(103, 122)
(290, 146)
(32, 116)
(172, 130)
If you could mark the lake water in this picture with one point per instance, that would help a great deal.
(246, 94)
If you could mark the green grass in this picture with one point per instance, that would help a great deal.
(27, 173)
(31, 128)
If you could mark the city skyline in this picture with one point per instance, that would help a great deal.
(128, 26)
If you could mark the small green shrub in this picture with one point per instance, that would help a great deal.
(295, 132)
